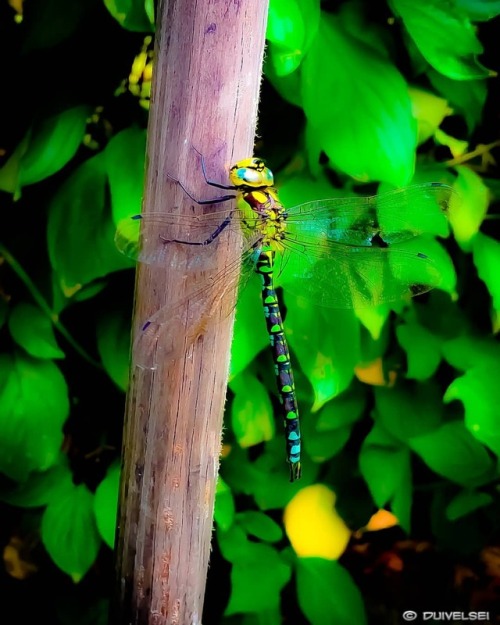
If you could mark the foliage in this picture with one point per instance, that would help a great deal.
(399, 405)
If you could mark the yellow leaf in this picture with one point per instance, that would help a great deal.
(381, 520)
(467, 214)
(457, 146)
(15, 563)
(313, 526)
(429, 110)
(373, 373)
(373, 319)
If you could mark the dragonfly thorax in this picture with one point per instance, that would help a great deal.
(271, 222)
(251, 173)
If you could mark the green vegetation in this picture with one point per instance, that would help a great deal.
(399, 403)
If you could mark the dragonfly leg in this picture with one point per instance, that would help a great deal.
(207, 241)
(212, 183)
(215, 200)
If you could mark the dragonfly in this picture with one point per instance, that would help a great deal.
(355, 252)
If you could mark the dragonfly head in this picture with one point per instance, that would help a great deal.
(251, 173)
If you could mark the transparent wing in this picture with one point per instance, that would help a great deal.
(147, 238)
(353, 252)
(393, 217)
(361, 252)
(359, 277)
(211, 300)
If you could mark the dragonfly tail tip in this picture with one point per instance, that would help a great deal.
(295, 471)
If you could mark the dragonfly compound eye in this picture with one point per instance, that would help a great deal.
(251, 172)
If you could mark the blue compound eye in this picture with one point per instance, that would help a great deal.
(251, 172)
(249, 175)
(269, 177)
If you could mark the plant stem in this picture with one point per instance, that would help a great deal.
(205, 93)
(43, 305)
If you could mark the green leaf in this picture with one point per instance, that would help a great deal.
(326, 433)
(423, 350)
(479, 9)
(124, 162)
(234, 544)
(34, 405)
(69, 531)
(252, 415)
(9, 173)
(302, 188)
(373, 342)
(40, 488)
(441, 316)
(327, 594)
(4, 311)
(402, 501)
(467, 98)
(291, 27)
(224, 511)
(261, 562)
(468, 213)
(465, 352)
(323, 446)
(272, 488)
(106, 504)
(326, 344)
(250, 335)
(464, 536)
(479, 391)
(439, 273)
(287, 86)
(465, 502)
(266, 479)
(269, 617)
(134, 15)
(343, 410)
(260, 525)
(50, 23)
(452, 451)
(80, 233)
(486, 254)
(77, 608)
(33, 331)
(425, 213)
(357, 106)
(52, 144)
(89, 291)
(409, 409)
(384, 465)
(445, 37)
(149, 7)
(430, 111)
(113, 343)
(61, 301)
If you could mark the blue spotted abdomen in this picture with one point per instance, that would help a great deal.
(281, 357)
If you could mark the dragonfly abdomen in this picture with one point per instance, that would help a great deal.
(281, 356)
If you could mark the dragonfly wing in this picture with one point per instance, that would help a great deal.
(361, 252)
(151, 238)
(415, 210)
(211, 301)
(360, 277)
(393, 217)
